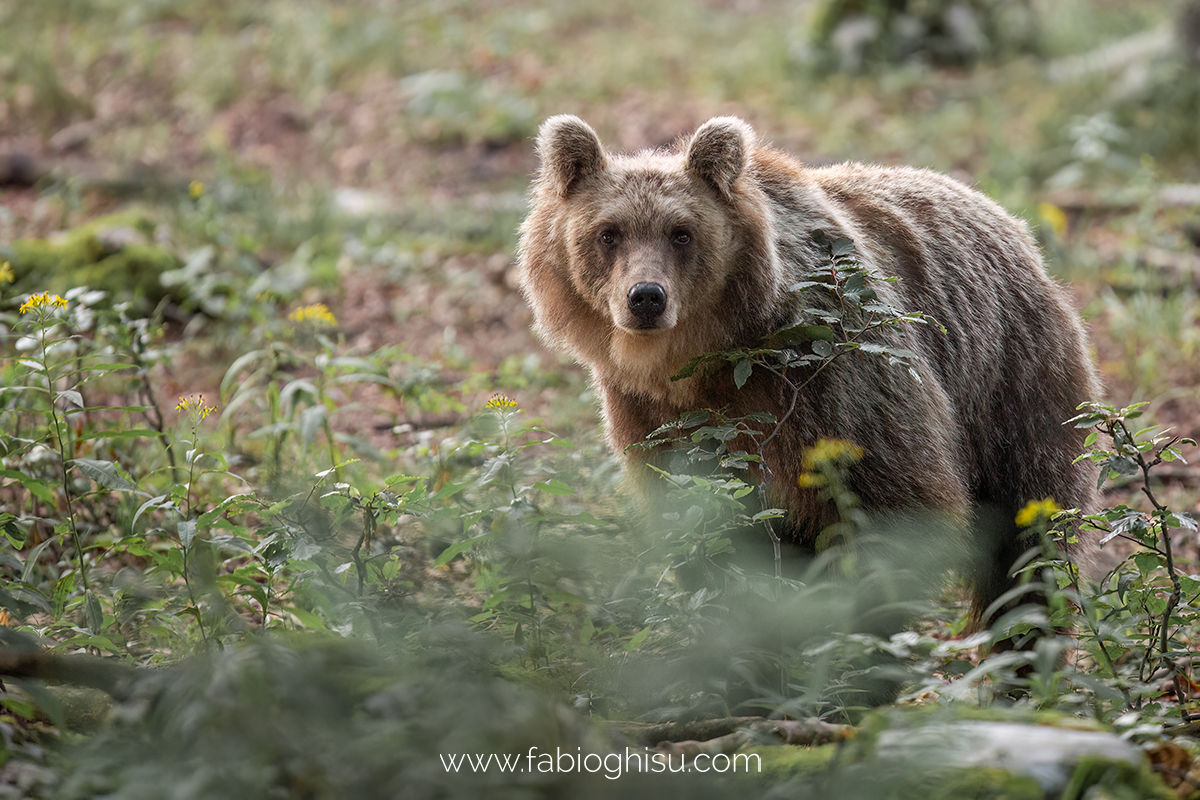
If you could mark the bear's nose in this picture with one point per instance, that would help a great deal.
(647, 301)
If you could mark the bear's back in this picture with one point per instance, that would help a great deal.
(1013, 351)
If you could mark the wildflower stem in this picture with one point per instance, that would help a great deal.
(61, 431)
(186, 549)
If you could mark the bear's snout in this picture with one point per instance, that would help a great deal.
(647, 302)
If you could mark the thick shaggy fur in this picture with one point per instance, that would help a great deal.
(723, 227)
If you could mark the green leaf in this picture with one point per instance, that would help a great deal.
(98, 642)
(108, 367)
(799, 334)
(390, 568)
(842, 246)
(19, 707)
(392, 480)
(71, 396)
(171, 560)
(235, 503)
(689, 369)
(159, 501)
(255, 590)
(1147, 563)
(888, 350)
(448, 490)
(312, 419)
(13, 533)
(41, 490)
(41, 389)
(234, 543)
(292, 393)
(133, 433)
(325, 472)
(187, 531)
(856, 284)
(554, 486)
(557, 441)
(240, 365)
(307, 618)
(19, 607)
(637, 639)
(105, 473)
(35, 555)
(123, 409)
(741, 373)
(93, 612)
(1123, 465)
(62, 591)
(458, 548)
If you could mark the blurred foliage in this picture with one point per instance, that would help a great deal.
(874, 33)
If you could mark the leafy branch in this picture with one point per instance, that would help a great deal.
(845, 315)
(1137, 453)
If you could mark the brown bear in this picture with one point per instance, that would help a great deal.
(636, 264)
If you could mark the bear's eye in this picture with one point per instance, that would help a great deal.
(681, 237)
(608, 238)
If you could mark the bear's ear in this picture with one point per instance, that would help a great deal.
(570, 151)
(719, 152)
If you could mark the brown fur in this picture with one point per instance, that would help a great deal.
(723, 225)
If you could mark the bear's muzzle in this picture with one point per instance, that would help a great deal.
(647, 302)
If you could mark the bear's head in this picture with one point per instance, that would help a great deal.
(637, 263)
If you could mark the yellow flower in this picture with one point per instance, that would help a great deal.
(196, 189)
(1036, 510)
(201, 406)
(37, 302)
(1055, 217)
(838, 451)
(809, 480)
(6, 273)
(835, 453)
(317, 313)
(500, 402)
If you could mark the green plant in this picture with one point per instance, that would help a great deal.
(842, 313)
(64, 455)
(1147, 592)
(1131, 631)
(295, 381)
(523, 565)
